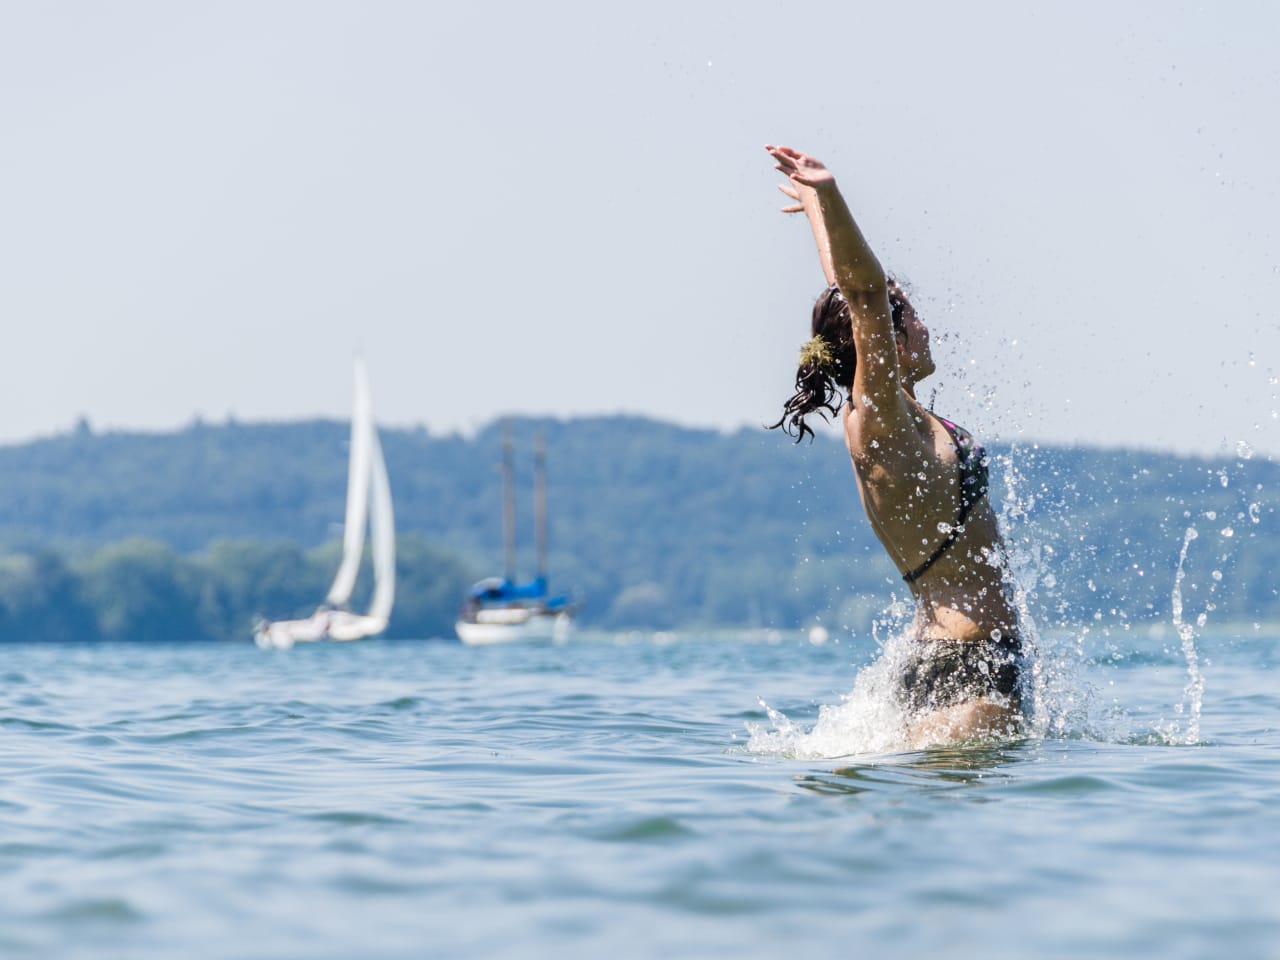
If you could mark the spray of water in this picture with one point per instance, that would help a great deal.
(1060, 536)
(871, 718)
(1193, 693)
(1056, 699)
(867, 720)
(1059, 699)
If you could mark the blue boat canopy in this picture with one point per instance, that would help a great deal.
(502, 590)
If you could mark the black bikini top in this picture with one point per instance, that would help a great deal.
(974, 482)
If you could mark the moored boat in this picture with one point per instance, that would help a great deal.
(501, 609)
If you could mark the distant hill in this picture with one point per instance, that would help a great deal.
(654, 525)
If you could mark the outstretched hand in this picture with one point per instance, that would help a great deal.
(810, 185)
(801, 170)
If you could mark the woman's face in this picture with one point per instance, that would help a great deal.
(913, 346)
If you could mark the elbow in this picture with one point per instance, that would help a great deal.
(864, 294)
(862, 281)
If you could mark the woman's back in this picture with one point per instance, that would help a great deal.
(937, 527)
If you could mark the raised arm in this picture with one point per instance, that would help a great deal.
(806, 202)
(849, 263)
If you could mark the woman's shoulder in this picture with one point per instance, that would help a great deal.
(872, 445)
(908, 427)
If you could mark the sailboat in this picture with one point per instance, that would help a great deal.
(368, 503)
(500, 609)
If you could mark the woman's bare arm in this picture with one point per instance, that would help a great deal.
(849, 262)
(806, 202)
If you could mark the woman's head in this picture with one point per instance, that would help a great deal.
(829, 359)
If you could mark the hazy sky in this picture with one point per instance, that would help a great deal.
(565, 208)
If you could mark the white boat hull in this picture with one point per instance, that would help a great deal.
(537, 628)
(338, 625)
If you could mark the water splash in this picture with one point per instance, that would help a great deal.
(871, 719)
(1193, 693)
(1056, 698)
(868, 720)
(1098, 588)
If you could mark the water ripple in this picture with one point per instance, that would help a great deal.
(382, 800)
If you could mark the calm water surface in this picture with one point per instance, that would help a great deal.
(640, 796)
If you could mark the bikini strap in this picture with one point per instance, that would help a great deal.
(920, 571)
(968, 497)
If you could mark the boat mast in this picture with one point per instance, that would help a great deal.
(508, 503)
(540, 503)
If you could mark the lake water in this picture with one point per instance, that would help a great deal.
(639, 796)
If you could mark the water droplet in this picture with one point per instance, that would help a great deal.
(945, 528)
(1217, 574)
(1244, 451)
(1228, 532)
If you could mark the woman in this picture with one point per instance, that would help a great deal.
(922, 480)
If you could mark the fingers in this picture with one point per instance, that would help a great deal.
(786, 158)
(795, 166)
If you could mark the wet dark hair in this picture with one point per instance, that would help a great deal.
(824, 372)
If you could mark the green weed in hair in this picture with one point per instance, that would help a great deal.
(816, 353)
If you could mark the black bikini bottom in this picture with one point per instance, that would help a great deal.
(942, 673)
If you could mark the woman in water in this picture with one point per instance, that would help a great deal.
(922, 479)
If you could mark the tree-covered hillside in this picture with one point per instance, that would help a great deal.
(188, 534)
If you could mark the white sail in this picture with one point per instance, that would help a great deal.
(362, 437)
(344, 625)
(382, 531)
(368, 504)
